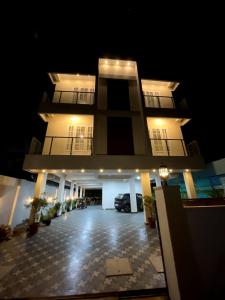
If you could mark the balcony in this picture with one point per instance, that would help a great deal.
(168, 147)
(152, 101)
(55, 145)
(74, 97)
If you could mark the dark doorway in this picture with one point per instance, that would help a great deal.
(119, 136)
(118, 94)
(94, 196)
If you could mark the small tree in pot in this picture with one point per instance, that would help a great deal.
(150, 210)
(36, 205)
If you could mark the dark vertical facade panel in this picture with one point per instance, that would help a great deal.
(118, 94)
(119, 136)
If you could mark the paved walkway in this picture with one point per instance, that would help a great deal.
(68, 257)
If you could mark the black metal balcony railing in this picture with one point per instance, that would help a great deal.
(159, 101)
(57, 145)
(168, 147)
(74, 97)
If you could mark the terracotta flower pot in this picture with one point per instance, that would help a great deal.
(32, 229)
(151, 222)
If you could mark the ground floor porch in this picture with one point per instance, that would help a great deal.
(69, 256)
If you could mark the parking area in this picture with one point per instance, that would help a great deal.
(69, 256)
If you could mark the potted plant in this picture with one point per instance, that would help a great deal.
(58, 207)
(36, 205)
(150, 210)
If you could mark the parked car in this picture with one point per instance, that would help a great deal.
(122, 202)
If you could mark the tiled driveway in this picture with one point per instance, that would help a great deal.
(68, 257)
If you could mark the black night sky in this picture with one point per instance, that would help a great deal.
(173, 43)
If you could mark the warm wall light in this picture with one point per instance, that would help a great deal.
(170, 170)
(82, 170)
(119, 170)
(78, 75)
(101, 170)
(186, 170)
(106, 62)
(43, 171)
(128, 63)
(137, 170)
(154, 170)
(81, 136)
(63, 171)
(159, 121)
(117, 62)
(75, 119)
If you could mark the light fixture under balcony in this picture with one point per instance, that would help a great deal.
(101, 170)
(164, 173)
(82, 170)
(43, 171)
(63, 171)
(154, 170)
(119, 170)
(186, 170)
(137, 170)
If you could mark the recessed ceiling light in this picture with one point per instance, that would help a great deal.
(82, 170)
(101, 170)
(119, 170)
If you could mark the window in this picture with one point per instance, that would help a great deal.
(151, 99)
(159, 137)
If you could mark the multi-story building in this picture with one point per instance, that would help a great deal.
(112, 130)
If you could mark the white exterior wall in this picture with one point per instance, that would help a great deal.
(72, 83)
(8, 187)
(111, 188)
(173, 131)
(160, 90)
(58, 126)
(114, 70)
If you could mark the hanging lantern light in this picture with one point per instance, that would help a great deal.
(164, 173)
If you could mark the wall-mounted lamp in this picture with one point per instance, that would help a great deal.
(164, 174)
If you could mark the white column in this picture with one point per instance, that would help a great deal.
(158, 180)
(40, 185)
(81, 190)
(189, 183)
(71, 190)
(168, 252)
(14, 205)
(61, 189)
(133, 201)
(146, 189)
